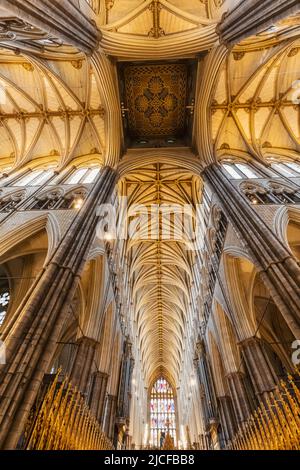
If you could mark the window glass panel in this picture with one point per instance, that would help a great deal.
(4, 301)
(232, 172)
(4, 295)
(91, 175)
(76, 176)
(248, 172)
(27, 179)
(294, 166)
(162, 413)
(41, 178)
(283, 170)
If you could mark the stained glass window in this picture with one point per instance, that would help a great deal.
(162, 412)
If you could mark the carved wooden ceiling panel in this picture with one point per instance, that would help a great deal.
(156, 99)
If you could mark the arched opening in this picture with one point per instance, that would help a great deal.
(20, 263)
(273, 329)
(162, 413)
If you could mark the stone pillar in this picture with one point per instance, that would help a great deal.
(124, 394)
(239, 395)
(110, 416)
(32, 333)
(97, 394)
(83, 363)
(227, 416)
(207, 393)
(125, 382)
(260, 369)
(60, 18)
(251, 17)
(279, 270)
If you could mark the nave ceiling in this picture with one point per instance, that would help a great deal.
(160, 263)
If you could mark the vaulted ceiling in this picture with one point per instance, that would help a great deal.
(255, 112)
(160, 262)
(49, 109)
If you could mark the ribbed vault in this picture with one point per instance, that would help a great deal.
(255, 110)
(160, 266)
(49, 109)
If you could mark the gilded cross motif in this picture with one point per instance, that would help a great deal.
(156, 31)
(156, 99)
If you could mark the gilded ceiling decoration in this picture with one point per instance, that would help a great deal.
(156, 99)
(161, 267)
(50, 110)
(156, 31)
(255, 111)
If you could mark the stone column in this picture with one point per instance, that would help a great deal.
(125, 382)
(251, 17)
(228, 420)
(31, 335)
(83, 363)
(279, 270)
(110, 416)
(260, 369)
(239, 396)
(97, 394)
(60, 18)
(124, 394)
(207, 393)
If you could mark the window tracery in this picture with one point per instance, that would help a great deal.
(288, 169)
(9, 201)
(162, 412)
(83, 175)
(57, 198)
(272, 193)
(34, 178)
(240, 171)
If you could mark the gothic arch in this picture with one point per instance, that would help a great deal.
(240, 275)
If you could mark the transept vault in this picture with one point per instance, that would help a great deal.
(149, 224)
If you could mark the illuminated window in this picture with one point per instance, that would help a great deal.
(246, 170)
(35, 178)
(4, 295)
(294, 166)
(162, 413)
(283, 169)
(232, 172)
(239, 171)
(83, 175)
